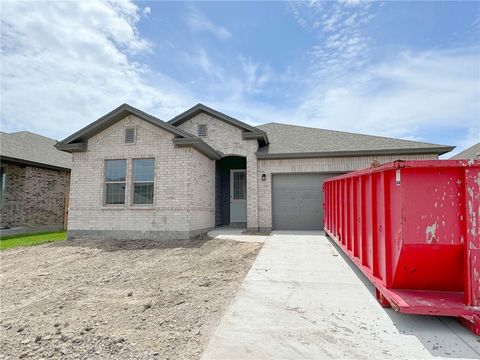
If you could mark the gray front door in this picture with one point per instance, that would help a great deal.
(238, 196)
(297, 201)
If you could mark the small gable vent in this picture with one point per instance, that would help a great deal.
(130, 136)
(202, 130)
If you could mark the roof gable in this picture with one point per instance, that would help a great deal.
(251, 132)
(78, 141)
(114, 116)
(473, 152)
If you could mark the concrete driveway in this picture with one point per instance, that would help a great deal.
(303, 299)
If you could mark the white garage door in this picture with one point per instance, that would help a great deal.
(297, 201)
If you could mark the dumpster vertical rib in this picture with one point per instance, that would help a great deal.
(363, 243)
(344, 213)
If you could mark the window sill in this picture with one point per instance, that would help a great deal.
(113, 207)
(141, 207)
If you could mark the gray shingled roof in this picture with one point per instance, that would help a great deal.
(472, 152)
(28, 147)
(292, 139)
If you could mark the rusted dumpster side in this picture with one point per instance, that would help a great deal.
(413, 228)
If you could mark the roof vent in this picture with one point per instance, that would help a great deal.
(202, 130)
(130, 136)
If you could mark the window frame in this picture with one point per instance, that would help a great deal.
(133, 182)
(105, 183)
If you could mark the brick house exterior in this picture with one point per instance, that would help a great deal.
(35, 180)
(188, 156)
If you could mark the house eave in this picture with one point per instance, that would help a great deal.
(260, 136)
(199, 145)
(72, 147)
(330, 154)
(199, 108)
(8, 159)
(115, 115)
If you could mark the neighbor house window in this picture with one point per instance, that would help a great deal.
(115, 179)
(202, 130)
(143, 181)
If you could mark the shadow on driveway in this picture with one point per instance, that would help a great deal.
(429, 330)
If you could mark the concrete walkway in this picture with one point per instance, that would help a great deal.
(236, 234)
(303, 300)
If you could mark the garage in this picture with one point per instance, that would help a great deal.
(297, 201)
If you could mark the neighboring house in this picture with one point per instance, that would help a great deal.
(473, 152)
(34, 181)
(136, 176)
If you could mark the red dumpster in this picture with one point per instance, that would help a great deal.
(413, 228)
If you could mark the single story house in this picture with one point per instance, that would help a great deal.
(136, 176)
(473, 152)
(34, 182)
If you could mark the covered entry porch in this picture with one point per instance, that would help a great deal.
(231, 191)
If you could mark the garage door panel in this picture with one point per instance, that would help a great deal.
(298, 201)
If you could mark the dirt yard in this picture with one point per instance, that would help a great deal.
(117, 300)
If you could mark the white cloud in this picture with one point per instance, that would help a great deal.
(342, 44)
(66, 63)
(197, 21)
(416, 93)
(146, 10)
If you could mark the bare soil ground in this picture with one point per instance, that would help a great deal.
(117, 300)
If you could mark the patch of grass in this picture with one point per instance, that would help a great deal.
(8, 242)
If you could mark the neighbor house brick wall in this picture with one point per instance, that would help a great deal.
(34, 196)
(228, 140)
(332, 165)
(13, 205)
(170, 216)
(45, 194)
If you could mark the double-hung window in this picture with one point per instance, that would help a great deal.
(143, 181)
(115, 181)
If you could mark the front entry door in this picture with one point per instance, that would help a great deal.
(238, 196)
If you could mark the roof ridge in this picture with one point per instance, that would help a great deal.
(200, 106)
(353, 133)
(31, 133)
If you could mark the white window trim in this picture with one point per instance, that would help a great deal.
(132, 183)
(105, 182)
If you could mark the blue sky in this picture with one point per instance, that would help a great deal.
(400, 69)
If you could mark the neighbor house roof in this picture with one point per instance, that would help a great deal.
(472, 152)
(29, 148)
(291, 141)
(249, 132)
(77, 142)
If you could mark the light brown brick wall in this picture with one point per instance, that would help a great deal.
(202, 197)
(228, 140)
(176, 177)
(332, 165)
(185, 179)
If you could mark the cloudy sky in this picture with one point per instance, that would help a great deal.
(401, 69)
